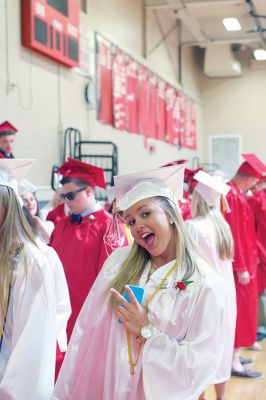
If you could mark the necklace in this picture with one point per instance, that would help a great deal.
(129, 347)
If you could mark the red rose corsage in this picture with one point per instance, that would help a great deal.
(182, 285)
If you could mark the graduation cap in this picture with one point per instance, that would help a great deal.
(13, 171)
(252, 166)
(76, 169)
(26, 186)
(177, 162)
(166, 182)
(210, 187)
(7, 129)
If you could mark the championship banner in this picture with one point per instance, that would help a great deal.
(182, 100)
(132, 95)
(104, 79)
(175, 139)
(188, 137)
(170, 101)
(161, 110)
(152, 114)
(143, 80)
(119, 90)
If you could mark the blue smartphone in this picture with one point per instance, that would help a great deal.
(138, 293)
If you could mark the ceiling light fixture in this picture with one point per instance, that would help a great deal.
(231, 24)
(260, 54)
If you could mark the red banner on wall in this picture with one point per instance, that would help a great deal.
(132, 96)
(143, 80)
(170, 101)
(161, 110)
(176, 120)
(188, 136)
(104, 63)
(152, 112)
(119, 90)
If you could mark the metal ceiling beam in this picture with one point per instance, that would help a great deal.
(214, 3)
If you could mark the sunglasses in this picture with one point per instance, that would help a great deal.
(71, 195)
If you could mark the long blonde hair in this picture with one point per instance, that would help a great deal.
(224, 238)
(14, 231)
(138, 257)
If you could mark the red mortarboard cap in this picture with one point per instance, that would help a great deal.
(7, 127)
(252, 166)
(189, 174)
(76, 169)
(177, 162)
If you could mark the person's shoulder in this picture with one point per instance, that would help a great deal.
(121, 253)
(103, 214)
(37, 263)
(207, 277)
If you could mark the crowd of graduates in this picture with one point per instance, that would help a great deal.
(153, 299)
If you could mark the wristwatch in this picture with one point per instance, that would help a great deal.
(145, 333)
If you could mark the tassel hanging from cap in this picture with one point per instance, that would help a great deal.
(225, 206)
(115, 235)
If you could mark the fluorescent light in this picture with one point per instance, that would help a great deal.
(231, 24)
(260, 54)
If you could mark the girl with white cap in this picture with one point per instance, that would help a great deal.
(167, 346)
(213, 236)
(27, 191)
(28, 321)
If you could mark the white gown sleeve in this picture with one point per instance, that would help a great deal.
(29, 370)
(63, 306)
(183, 368)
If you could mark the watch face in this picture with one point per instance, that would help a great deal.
(146, 332)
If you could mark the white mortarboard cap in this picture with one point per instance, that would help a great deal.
(166, 182)
(13, 170)
(211, 187)
(26, 186)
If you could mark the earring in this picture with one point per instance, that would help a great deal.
(171, 221)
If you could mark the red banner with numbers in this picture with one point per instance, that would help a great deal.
(104, 71)
(132, 96)
(152, 112)
(143, 80)
(161, 110)
(188, 135)
(119, 90)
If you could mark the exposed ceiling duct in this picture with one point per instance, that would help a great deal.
(202, 26)
(219, 62)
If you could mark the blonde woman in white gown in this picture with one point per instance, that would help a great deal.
(213, 236)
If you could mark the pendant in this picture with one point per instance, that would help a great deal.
(132, 370)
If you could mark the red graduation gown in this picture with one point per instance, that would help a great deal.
(242, 225)
(57, 214)
(82, 252)
(185, 206)
(257, 203)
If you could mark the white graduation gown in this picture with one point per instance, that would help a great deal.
(203, 232)
(177, 362)
(27, 358)
(63, 306)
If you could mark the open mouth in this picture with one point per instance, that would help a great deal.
(148, 238)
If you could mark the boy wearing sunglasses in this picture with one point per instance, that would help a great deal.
(79, 238)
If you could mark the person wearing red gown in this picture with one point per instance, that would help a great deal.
(7, 137)
(242, 225)
(57, 214)
(79, 238)
(189, 184)
(257, 202)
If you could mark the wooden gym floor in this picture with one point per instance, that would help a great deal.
(243, 388)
